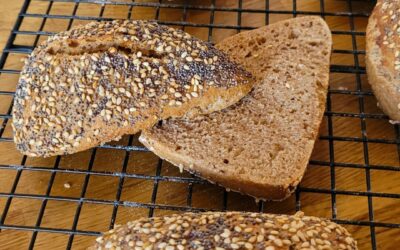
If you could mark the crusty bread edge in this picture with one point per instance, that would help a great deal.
(337, 235)
(384, 89)
(213, 99)
(256, 190)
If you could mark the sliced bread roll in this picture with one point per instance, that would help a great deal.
(260, 146)
(383, 56)
(97, 82)
(230, 230)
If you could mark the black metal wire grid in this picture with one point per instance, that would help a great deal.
(347, 11)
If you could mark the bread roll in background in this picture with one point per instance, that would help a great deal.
(383, 56)
(228, 230)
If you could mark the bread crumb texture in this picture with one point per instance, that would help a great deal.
(261, 145)
(230, 230)
(94, 83)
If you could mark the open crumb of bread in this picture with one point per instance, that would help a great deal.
(261, 145)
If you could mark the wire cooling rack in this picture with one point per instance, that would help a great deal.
(65, 202)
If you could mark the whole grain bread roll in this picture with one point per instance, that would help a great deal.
(97, 82)
(260, 146)
(228, 230)
(383, 56)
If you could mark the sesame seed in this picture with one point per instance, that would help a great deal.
(112, 50)
(234, 246)
(278, 242)
(226, 233)
(248, 245)
(295, 238)
(305, 244)
(301, 235)
(348, 240)
(119, 100)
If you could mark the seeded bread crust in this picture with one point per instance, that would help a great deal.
(97, 82)
(260, 146)
(383, 56)
(229, 230)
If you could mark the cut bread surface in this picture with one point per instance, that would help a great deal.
(261, 145)
(97, 82)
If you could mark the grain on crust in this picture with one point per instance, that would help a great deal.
(229, 230)
(97, 82)
(260, 146)
(383, 56)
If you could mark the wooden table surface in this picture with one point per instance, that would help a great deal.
(95, 216)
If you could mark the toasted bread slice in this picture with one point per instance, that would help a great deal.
(97, 82)
(260, 146)
(383, 57)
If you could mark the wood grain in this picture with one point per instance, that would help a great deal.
(96, 216)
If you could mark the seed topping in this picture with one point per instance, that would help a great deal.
(218, 230)
(65, 87)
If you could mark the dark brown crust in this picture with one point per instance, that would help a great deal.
(383, 56)
(230, 230)
(97, 82)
